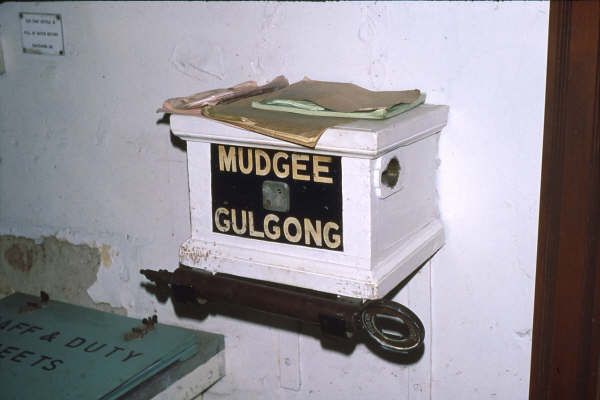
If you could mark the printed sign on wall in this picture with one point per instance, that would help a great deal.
(42, 33)
(280, 196)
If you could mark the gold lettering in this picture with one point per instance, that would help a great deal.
(242, 230)
(253, 233)
(286, 229)
(311, 232)
(334, 241)
(318, 168)
(227, 160)
(276, 232)
(260, 171)
(285, 171)
(246, 169)
(297, 168)
(226, 224)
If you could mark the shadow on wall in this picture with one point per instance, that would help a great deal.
(175, 141)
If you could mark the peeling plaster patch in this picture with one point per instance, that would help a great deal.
(62, 269)
(105, 255)
(113, 286)
(199, 62)
(19, 257)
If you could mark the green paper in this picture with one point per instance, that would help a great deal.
(305, 107)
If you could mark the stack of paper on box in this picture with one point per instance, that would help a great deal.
(301, 112)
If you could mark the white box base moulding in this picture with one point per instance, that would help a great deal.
(343, 280)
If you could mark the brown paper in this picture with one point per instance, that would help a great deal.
(300, 129)
(343, 97)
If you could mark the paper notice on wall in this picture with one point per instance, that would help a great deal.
(42, 33)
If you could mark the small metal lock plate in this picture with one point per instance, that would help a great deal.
(276, 196)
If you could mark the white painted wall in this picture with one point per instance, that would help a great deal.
(82, 156)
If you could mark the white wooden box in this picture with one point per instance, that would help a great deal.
(388, 226)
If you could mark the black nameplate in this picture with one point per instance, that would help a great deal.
(279, 196)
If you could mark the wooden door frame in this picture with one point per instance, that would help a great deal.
(566, 335)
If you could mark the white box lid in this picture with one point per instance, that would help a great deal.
(360, 138)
